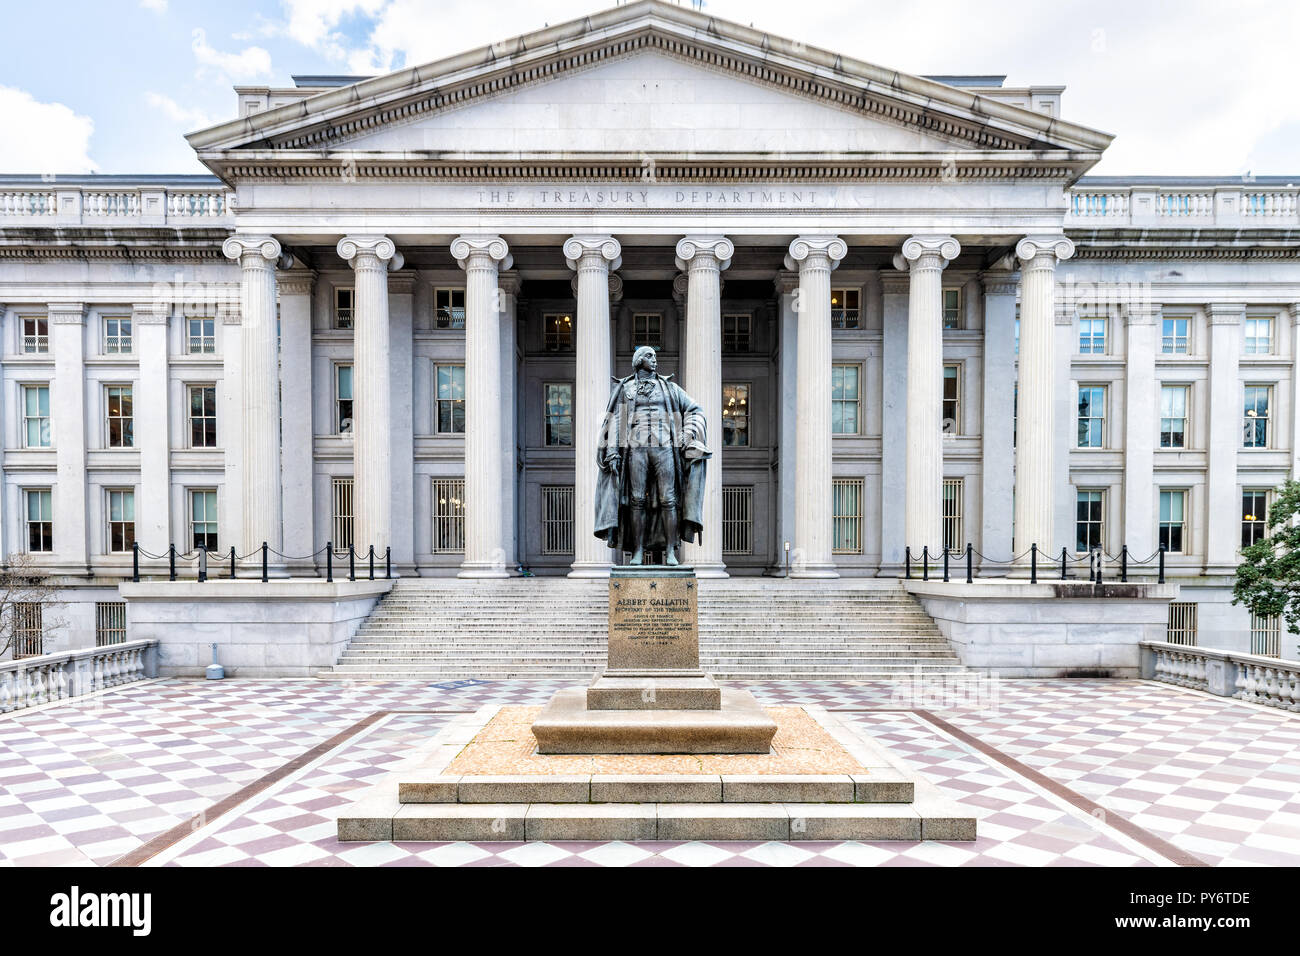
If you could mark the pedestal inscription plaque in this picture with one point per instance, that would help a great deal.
(653, 621)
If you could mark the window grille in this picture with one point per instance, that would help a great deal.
(557, 519)
(737, 519)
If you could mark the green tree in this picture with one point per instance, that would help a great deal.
(1268, 578)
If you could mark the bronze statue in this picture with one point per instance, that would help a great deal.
(652, 454)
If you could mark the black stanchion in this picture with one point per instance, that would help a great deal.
(1123, 564)
(329, 562)
(1063, 564)
(969, 564)
(925, 562)
(352, 562)
(388, 563)
(171, 562)
(1161, 578)
(203, 565)
(372, 562)
(232, 562)
(135, 562)
(1033, 564)
(907, 562)
(265, 577)
(945, 565)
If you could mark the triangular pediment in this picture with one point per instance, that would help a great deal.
(648, 78)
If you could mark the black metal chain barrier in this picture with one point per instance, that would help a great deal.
(262, 554)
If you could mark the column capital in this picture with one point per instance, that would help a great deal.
(1294, 309)
(999, 283)
(352, 248)
(297, 283)
(811, 250)
(1225, 313)
(466, 249)
(615, 288)
(242, 246)
(1044, 250)
(150, 313)
(600, 250)
(66, 313)
(703, 249)
(785, 282)
(509, 283)
(681, 282)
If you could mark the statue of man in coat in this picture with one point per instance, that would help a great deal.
(652, 455)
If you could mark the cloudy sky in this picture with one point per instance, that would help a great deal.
(1190, 87)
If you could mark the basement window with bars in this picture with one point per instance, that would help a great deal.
(737, 519)
(1266, 635)
(29, 630)
(953, 530)
(1182, 623)
(448, 515)
(110, 622)
(342, 511)
(557, 519)
(846, 520)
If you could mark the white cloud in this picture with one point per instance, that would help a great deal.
(189, 118)
(53, 138)
(313, 23)
(157, 6)
(250, 63)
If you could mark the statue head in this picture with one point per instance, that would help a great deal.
(644, 357)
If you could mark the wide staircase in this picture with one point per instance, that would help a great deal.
(750, 629)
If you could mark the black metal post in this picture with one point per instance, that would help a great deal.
(372, 562)
(388, 563)
(232, 562)
(1033, 563)
(969, 564)
(352, 562)
(135, 562)
(171, 562)
(203, 565)
(1063, 565)
(1161, 578)
(907, 562)
(1123, 564)
(264, 574)
(329, 562)
(925, 562)
(945, 565)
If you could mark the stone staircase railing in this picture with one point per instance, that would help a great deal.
(1250, 677)
(29, 681)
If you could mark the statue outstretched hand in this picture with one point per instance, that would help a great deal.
(695, 450)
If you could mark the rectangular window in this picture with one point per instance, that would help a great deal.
(737, 332)
(1173, 522)
(1089, 518)
(451, 399)
(559, 413)
(846, 512)
(448, 515)
(343, 304)
(203, 519)
(1173, 416)
(557, 332)
(117, 336)
(952, 399)
(343, 399)
(1254, 516)
(36, 416)
(954, 535)
(341, 514)
(1092, 416)
(735, 415)
(29, 630)
(36, 334)
(1266, 635)
(1258, 336)
(1182, 623)
(110, 622)
(203, 416)
(846, 308)
(737, 519)
(202, 336)
(557, 519)
(845, 394)
(448, 308)
(119, 417)
(40, 519)
(647, 329)
(1174, 336)
(1092, 336)
(952, 317)
(1255, 417)
(121, 520)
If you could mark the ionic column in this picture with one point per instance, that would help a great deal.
(591, 257)
(924, 258)
(787, 413)
(997, 470)
(815, 257)
(296, 455)
(372, 468)
(485, 551)
(509, 283)
(703, 258)
(1034, 516)
(259, 388)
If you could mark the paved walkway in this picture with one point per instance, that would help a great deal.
(1061, 773)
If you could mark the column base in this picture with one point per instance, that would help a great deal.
(815, 571)
(590, 569)
(703, 570)
(485, 569)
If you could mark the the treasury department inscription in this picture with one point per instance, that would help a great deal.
(653, 623)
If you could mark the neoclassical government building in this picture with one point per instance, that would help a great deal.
(392, 314)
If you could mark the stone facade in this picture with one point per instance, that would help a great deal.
(868, 260)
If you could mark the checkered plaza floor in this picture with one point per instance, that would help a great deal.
(254, 773)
